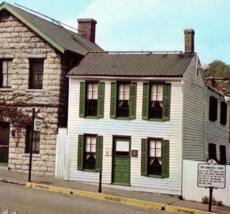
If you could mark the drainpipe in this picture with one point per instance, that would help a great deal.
(182, 136)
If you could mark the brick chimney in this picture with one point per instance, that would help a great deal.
(189, 41)
(87, 28)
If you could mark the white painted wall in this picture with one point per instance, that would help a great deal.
(136, 129)
(61, 163)
(192, 192)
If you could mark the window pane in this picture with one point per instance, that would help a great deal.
(153, 92)
(121, 92)
(160, 93)
(36, 74)
(4, 83)
(122, 146)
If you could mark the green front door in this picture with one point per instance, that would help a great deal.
(4, 143)
(121, 161)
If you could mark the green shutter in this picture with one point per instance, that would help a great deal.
(165, 159)
(166, 101)
(80, 152)
(113, 101)
(145, 103)
(100, 100)
(99, 150)
(82, 100)
(132, 100)
(144, 157)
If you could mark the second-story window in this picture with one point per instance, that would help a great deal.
(36, 73)
(91, 99)
(213, 103)
(123, 100)
(6, 73)
(223, 113)
(156, 101)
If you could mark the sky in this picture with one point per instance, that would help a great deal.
(148, 25)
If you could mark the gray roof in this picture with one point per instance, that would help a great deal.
(142, 65)
(59, 37)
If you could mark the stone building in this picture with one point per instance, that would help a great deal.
(35, 55)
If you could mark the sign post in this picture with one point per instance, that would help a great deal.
(31, 146)
(211, 175)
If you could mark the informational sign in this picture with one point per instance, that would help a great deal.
(37, 125)
(211, 175)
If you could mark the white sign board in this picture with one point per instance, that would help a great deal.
(211, 176)
(37, 125)
(122, 146)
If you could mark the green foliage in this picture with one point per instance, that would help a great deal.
(218, 69)
(205, 200)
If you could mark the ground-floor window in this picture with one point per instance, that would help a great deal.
(36, 140)
(90, 152)
(222, 154)
(155, 157)
(212, 151)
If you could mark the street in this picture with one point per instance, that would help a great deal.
(33, 201)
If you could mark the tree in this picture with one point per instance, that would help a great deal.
(218, 68)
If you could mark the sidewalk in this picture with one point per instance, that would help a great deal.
(22, 178)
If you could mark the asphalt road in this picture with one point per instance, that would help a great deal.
(33, 201)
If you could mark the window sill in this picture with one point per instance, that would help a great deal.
(34, 155)
(34, 90)
(89, 170)
(155, 176)
(6, 89)
(122, 118)
(91, 117)
(157, 120)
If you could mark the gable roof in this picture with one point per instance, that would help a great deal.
(141, 65)
(59, 37)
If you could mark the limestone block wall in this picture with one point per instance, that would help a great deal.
(20, 43)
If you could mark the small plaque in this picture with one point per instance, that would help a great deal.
(134, 153)
(108, 151)
(37, 125)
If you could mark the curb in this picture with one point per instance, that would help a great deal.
(123, 200)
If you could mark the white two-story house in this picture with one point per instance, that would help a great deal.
(136, 116)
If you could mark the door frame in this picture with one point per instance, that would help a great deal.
(2, 163)
(120, 138)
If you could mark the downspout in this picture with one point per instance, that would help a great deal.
(182, 136)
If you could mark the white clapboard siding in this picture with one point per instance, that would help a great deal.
(136, 129)
(193, 114)
(198, 130)
(215, 132)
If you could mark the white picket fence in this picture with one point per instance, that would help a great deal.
(61, 163)
(194, 193)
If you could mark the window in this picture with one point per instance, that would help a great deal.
(212, 151)
(155, 157)
(36, 140)
(156, 101)
(90, 152)
(223, 113)
(213, 108)
(36, 73)
(123, 100)
(6, 73)
(91, 99)
(222, 154)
